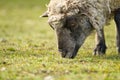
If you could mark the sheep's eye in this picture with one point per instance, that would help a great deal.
(71, 22)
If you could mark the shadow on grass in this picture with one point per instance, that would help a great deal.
(113, 57)
(90, 58)
(108, 57)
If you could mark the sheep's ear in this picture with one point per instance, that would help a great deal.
(45, 14)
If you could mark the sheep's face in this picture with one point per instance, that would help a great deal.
(70, 25)
(71, 31)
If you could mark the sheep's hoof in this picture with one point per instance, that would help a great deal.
(100, 50)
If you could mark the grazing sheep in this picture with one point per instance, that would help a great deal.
(74, 20)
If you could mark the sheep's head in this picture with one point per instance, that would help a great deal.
(71, 27)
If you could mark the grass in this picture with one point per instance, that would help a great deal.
(28, 48)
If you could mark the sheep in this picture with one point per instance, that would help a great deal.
(74, 20)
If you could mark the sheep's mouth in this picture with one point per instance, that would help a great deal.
(69, 54)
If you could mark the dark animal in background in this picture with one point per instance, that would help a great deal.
(74, 20)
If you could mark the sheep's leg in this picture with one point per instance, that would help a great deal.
(100, 48)
(117, 21)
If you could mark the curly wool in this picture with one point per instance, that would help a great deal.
(114, 4)
(98, 11)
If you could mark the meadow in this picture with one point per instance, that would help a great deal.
(28, 48)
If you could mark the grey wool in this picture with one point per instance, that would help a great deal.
(99, 11)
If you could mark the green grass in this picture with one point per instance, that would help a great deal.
(28, 48)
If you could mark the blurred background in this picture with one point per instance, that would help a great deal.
(22, 17)
(20, 22)
(28, 48)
